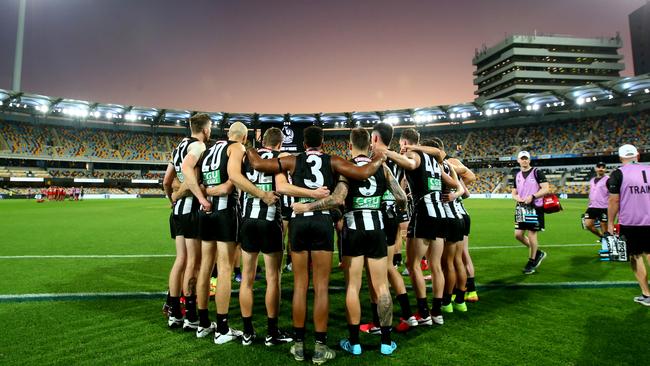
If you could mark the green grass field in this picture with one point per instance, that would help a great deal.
(575, 310)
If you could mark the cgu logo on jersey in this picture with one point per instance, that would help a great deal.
(366, 202)
(181, 177)
(212, 178)
(288, 135)
(434, 184)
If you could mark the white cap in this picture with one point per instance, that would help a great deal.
(522, 154)
(627, 151)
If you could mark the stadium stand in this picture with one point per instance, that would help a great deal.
(44, 139)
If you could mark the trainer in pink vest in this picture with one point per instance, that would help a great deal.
(528, 186)
(635, 195)
(598, 193)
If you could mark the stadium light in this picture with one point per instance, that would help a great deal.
(647, 91)
(580, 101)
(130, 117)
(535, 107)
(488, 112)
(452, 116)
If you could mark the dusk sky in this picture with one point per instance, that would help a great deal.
(279, 56)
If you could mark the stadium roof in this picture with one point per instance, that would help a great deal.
(617, 92)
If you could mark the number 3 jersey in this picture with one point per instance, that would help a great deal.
(313, 170)
(214, 171)
(363, 202)
(255, 208)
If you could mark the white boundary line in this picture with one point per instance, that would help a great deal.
(541, 246)
(157, 295)
(117, 256)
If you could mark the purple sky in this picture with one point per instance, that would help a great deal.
(279, 56)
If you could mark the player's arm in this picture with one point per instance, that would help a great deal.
(465, 190)
(356, 172)
(334, 200)
(284, 187)
(222, 189)
(429, 150)
(237, 152)
(182, 189)
(170, 175)
(449, 180)
(613, 205)
(466, 174)
(286, 163)
(188, 168)
(408, 161)
(395, 188)
(451, 196)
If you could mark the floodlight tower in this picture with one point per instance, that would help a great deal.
(18, 61)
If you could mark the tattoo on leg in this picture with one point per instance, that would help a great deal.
(385, 310)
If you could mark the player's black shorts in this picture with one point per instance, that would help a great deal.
(286, 213)
(391, 229)
(336, 215)
(468, 224)
(637, 239)
(184, 225)
(219, 225)
(259, 235)
(423, 226)
(597, 214)
(311, 233)
(533, 227)
(367, 243)
(455, 230)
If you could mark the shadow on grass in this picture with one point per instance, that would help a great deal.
(615, 340)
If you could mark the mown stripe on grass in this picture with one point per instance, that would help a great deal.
(117, 256)
(156, 295)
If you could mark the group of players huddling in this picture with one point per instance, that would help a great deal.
(224, 196)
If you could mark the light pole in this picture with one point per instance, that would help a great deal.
(18, 61)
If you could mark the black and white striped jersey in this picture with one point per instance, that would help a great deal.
(363, 202)
(214, 171)
(425, 183)
(255, 208)
(287, 200)
(388, 200)
(450, 207)
(184, 205)
(313, 170)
